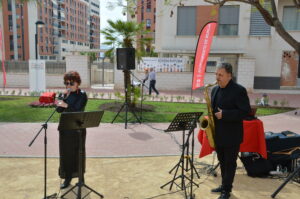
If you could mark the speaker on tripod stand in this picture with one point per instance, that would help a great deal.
(125, 58)
(126, 62)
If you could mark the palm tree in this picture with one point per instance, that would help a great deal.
(126, 34)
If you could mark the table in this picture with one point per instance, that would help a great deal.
(254, 139)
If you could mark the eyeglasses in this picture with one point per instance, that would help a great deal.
(69, 83)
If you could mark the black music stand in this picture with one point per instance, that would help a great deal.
(296, 171)
(78, 121)
(182, 122)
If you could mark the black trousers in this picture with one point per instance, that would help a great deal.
(152, 86)
(227, 157)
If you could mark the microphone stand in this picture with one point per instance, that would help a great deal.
(44, 126)
(142, 96)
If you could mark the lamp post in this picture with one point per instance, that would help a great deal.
(38, 24)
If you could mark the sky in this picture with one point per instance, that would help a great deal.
(106, 14)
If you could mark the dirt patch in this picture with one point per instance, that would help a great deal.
(115, 107)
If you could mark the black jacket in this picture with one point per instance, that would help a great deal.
(235, 106)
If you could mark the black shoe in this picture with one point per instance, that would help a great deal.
(224, 195)
(66, 183)
(218, 190)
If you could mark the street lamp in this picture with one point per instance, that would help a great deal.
(38, 24)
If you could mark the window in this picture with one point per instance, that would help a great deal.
(186, 20)
(211, 66)
(9, 5)
(148, 23)
(148, 7)
(11, 43)
(228, 20)
(291, 18)
(258, 26)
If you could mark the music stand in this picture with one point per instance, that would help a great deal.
(182, 122)
(79, 121)
(297, 171)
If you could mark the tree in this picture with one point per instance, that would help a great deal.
(126, 34)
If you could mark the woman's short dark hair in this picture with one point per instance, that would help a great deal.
(72, 76)
(226, 66)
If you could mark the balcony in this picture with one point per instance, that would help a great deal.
(61, 27)
(56, 43)
(61, 9)
(62, 34)
(55, 24)
(61, 18)
(61, 1)
(55, 32)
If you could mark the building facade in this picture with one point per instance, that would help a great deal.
(69, 25)
(260, 57)
(146, 12)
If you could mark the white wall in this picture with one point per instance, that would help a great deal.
(166, 80)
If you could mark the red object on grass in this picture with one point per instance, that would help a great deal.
(47, 97)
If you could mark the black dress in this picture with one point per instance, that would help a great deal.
(69, 139)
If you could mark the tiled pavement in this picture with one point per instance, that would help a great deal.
(113, 140)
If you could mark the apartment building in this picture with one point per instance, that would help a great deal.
(261, 58)
(69, 25)
(146, 12)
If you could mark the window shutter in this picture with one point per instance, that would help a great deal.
(186, 20)
(258, 26)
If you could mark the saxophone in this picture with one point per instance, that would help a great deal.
(207, 123)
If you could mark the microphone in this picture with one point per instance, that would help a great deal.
(66, 93)
(60, 96)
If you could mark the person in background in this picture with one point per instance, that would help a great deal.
(152, 78)
(146, 71)
(230, 104)
(74, 100)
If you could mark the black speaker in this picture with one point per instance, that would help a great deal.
(125, 58)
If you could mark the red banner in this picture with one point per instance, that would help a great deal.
(2, 52)
(202, 51)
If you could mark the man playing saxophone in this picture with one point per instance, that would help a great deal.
(230, 105)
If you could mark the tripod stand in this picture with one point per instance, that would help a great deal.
(79, 121)
(182, 122)
(297, 170)
(127, 107)
(142, 94)
(44, 127)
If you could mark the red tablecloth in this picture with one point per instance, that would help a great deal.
(254, 139)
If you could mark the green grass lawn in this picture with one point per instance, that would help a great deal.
(16, 109)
